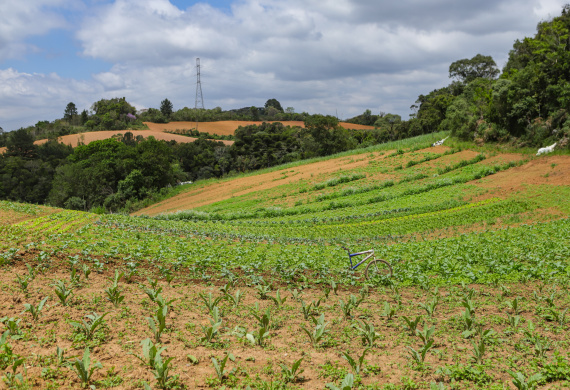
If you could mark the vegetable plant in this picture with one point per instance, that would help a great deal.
(35, 310)
(291, 374)
(84, 369)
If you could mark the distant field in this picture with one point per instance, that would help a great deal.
(86, 138)
(229, 127)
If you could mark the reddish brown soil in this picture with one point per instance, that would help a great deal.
(229, 127)
(388, 361)
(551, 170)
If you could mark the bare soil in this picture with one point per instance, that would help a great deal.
(229, 127)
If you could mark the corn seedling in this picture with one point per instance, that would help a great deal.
(264, 319)
(469, 324)
(541, 346)
(114, 295)
(209, 301)
(132, 271)
(412, 325)
(320, 331)
(426, 335)
(236, 298)
(388, 311)
(352, 303)
(161, 371)
(514, 305)
(157, 322)
(24, 282)
(522, 383)
(346, 384)
(15, 380)
(83, 368)
(149, 352)
(356, 365)
(296, 294)
(419, 356)
(478, 350)
(13, 327)
(35, 310)
(88, 328)
(62, 292)
(290, 375)
(258, 337)
(334, 287)
(278, 300)
(430, 306)
(220, 366)
(74, 277)
(86, 271)
(367, 332)
(225, 289)
(468, 304)
(307, 310)
(514, 322)
(556, 316)
(263, 290)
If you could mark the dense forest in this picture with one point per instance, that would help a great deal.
(527, 104)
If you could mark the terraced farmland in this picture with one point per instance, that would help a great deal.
(249, 272)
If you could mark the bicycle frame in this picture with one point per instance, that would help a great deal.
(351, 255)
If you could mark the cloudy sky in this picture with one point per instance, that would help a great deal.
(336, 57)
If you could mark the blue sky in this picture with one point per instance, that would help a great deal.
(319, 56)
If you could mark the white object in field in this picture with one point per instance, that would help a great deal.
(547, 149)
(439, 142)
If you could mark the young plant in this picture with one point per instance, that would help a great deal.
(14, 380)
(258, 337)
(35, 310)
(356, 365)
(429, 307)
(426, 335)
(514, 305)
(86, 270)
(24, 282)
(278, 300)
(290, 375)
(320, 331)
(62, 292)
(346, 384)
(157, 322)
(412, 325)
(478, 350)
(236, 298)
(263, 290)
(114, 293)
(149, 352)
(209, 301)
(514, 322)
(307, 310)
(220, 366)
(366, 330)
(556, 316)
(522, 383)
(88, 328)
(161, 371)
(419, 356)
(83, 368)
(388, 311)
(13, 327)
(351, 304)
(264, 319)
(210, 332)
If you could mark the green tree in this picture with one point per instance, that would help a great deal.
(21, 143)
(273, 103)
(70, 111)
(467, 70)
(166, 108)
(84, 117)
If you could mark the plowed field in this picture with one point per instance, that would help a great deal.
(229, 127)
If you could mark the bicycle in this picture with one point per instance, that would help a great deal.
(376, 267)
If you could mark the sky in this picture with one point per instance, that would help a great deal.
(337, 57)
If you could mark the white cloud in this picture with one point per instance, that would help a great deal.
(21, 19)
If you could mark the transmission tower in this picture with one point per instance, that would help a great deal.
(199, 98)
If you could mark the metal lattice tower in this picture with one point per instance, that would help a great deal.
(199, 98)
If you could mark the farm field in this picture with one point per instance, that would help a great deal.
(249, 272)
(229, 127)
(88, 137)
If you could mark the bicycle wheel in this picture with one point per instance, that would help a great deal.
(378, 267)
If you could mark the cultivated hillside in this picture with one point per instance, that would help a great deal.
(478, 242)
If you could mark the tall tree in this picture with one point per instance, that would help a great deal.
(467, 70)
(166, 108)
(274, 103)
(70, 111)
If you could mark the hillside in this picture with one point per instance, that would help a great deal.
(478, 241)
